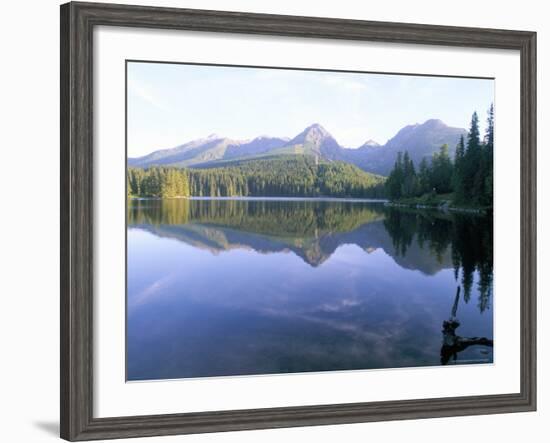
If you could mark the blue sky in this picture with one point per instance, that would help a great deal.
(170, 104)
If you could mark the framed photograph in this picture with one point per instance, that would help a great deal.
(272, 221)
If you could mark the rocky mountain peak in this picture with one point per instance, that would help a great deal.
(370, 144)
(313, 134)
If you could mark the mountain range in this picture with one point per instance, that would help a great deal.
(420, 140)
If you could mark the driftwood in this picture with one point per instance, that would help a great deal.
(452, 343)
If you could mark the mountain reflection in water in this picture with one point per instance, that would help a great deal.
(235, 287)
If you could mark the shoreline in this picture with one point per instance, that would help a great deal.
(281, 198)
(444, 207)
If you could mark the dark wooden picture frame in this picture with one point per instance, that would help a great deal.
(77, 23)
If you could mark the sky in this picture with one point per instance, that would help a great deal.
(171, 104)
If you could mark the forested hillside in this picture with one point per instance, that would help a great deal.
(283, 175)
(468, 178)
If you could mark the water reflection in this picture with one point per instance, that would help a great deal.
(470, 239)
(226, 287)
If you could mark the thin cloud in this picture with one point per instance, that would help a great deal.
(145, 92)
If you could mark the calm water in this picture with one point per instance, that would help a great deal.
(235, 287)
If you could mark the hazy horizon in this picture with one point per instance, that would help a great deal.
(171, 104)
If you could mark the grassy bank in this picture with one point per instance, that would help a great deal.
(443, 202)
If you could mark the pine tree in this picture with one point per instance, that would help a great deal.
(442, 170)
(424, 177)
(472, 180)
(409, 184)
(458, 173)
(395, 179)
(488, 157)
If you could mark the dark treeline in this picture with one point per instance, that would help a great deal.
(157, 182)
(469, 176)
(471, 244)
(276, 176)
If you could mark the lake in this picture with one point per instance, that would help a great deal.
(219, 287)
